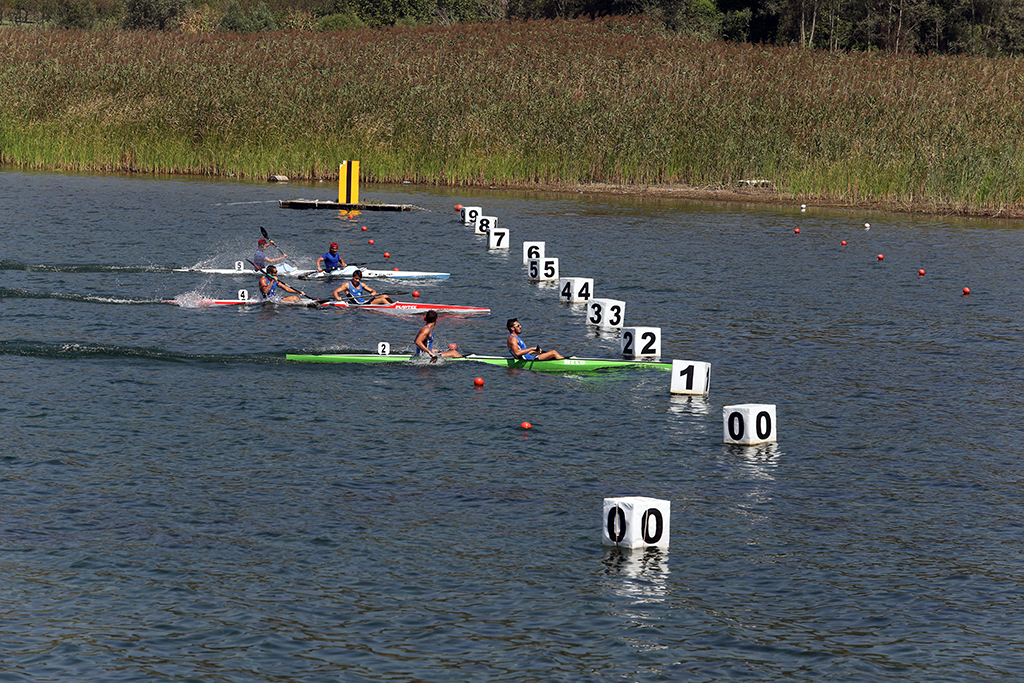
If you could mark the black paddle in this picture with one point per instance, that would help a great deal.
(320, 302)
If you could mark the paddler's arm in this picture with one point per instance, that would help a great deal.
(340, 290)
(421, 342)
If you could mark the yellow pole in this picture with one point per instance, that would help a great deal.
(348, 182)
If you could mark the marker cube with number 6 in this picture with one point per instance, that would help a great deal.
(636, 522)
(575, 290)
(497, 238)
(532, 250)
(542, 269)
(690, 377)
(749, 423)
(485, 223)
(640, 341)
(606, 313)
(469, 214)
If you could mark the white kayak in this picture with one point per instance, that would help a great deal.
(246, 268)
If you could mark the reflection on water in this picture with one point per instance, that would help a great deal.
(682, 404)
(643, 572)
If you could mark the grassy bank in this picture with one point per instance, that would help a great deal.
(561, 102)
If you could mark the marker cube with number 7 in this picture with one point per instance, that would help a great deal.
(690, 377)
(485, 223)
(497, 238)
(636, 522)
(532, 250)
(608, 314)
(749, 423)
(575, 290)
(640, 341)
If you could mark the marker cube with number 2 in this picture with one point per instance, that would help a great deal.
(640, 341)
(749, 423)
(690, 377)
(636, 522)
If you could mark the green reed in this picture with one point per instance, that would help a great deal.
(565, 102)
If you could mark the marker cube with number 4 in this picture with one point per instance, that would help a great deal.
(640, 341)
(749, 423)
(606, 313)
(575, 290)
(469, 214)
(542, 269)
(497, 238)
(690, 377)
(485, 223)
(532, 250)
(636, 522)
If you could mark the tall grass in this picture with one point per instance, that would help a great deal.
(615, 100)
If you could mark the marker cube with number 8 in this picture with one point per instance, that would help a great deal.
(606, 313)
(636, 522)
(497, 238)
(485, 223)
(469, 214)
(640, 341)
(542, 269)
(749, 423)
(690, 377)
(532, 250)
(575, 290)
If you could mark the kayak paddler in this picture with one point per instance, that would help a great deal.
(425, 339)
(260, 258)
(331, 260)
(518, 348)
(361, 294)
(269, 286)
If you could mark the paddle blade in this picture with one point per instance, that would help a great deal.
(264, 232)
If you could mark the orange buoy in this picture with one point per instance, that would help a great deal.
(880, 257)
(797, 231)
(479, 381)
(371, 241)
(526, 425)
(967, 291)
(920, 273)
(843, 243)
(364, 228)
(416, 293)
(387, 254)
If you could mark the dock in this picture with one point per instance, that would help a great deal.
(339, 206)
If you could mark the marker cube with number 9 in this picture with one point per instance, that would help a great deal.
(575, 290)
(606, 313)
(542, 269)
(690, 377)
(485, 223)
(497, 238)
(532, 250)
(640, 341)
(636, 522)
(749, 423)
(469, 214)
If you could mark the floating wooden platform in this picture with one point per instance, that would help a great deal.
(323, 204)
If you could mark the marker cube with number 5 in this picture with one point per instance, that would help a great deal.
(575, 290)
(606, 313)
(640, 341)
(497, 238)
(485, 223)
(636, 522)
(749, 423)
(542, 269)
(690, 377)
(532, 250)
(469, 214)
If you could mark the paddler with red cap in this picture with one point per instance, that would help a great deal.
(260, 258)
(331, 260)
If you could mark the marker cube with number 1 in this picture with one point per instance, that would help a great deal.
(485, 223)
(532, 250)
(542, 269)
(469, 214)
(636, 522)
(497, 238)
(640, 341)
(749, 423)
(690, 377)
(608, 314)
(575, 290)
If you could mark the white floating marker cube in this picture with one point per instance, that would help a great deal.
(749, 423)
(485, 223)
(497, 238)
(608, 314)
(542, 269)
(575, 290)
(243, 295)
(690, 377)
(636, 522)
(469, 214)
(532, 250)
(636, 342)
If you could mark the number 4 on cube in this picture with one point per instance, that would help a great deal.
(575, 290)
(636, 522)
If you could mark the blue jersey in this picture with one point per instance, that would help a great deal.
(522, 345)
(331, 262)
(429, 344)
(260, 259)
(271, 294)
(356, 292)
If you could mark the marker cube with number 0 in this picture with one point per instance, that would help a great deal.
(532, 250)
(640, 341)
(497, 238)
(469, 214)
(608, 314)
(575, 290)
(542, 269)
(485, 223)
(690, 377)
(636, 522)
(749, 423)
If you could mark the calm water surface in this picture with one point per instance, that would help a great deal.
(180, 503)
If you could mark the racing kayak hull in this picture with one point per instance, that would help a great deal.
(563, 366)
(242, 268)
(398, 307)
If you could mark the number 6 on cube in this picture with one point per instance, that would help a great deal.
(690, 377)
(532, 250)
(640, 341)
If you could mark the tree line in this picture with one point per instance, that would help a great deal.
(972, 27)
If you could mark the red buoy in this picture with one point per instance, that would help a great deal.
(880, 257)
(387, 254)
(416, 293)
(458, 207)
(967, 291)
(920, 273)
(479, 381)
(371, 241)
(364, 228)
(843, 243)
(526, 425)
(797, 231)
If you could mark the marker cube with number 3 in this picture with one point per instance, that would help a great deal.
(532, 250)
(485, 223)
(608, 314)
(690, 377)
(640, 341)
(469, 214)
(575, 290)
(543, 269)
(497, 238)
(636, 522)
(749, 423)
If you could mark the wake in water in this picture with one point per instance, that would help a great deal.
(8, 264)
(73, 350)
(15, 293)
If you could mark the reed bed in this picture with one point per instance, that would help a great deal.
(615, 100)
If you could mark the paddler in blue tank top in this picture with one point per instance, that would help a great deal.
(518, 348)
(355, 290)
(425, 340)
(331, 260)
(269, 285)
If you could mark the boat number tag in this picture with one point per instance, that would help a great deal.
(383, 348)
(243, 295)
(240, 266)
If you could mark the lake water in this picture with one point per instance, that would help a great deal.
(181, 503)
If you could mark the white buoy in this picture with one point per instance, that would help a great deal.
(690, 377)
(484, 223)
(497, 238)
(636, 522)
(532, 250)
(469, 214)
(608, 314)
(575, 290)
(867, 226)
(640, 341)
(748, 423)
(542, 269)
